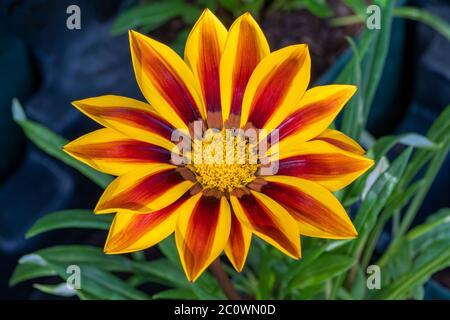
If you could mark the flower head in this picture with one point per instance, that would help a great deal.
(253, 153)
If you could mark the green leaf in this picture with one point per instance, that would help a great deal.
(324, 268)
(318, 8)
(62, 289)
(175, 294)
(104, 284)
(169, 249)
(424, 246)
(24, 272)
(418, 275)
(379, 194)
(353, 121)
(384, 144)
(359, 7)
(424, 17)
(149, 16)
(80, 254)
(52, 144)
(69, 219)
(95, 280)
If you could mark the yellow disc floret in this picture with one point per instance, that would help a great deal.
(223, 161)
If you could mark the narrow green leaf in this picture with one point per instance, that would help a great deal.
(69, 219)
(62, 289)
(175, 294)
(379, 194)
(417, 276)
(80, 254)
(324, 268)
(52, 144)
(24, 272)
(148, 16)
(424, 17)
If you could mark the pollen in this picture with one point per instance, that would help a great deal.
(224, 161)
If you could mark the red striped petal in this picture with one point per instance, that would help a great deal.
(276, 86)
(268, 220)
(246, 46)
(238, 243)
(340, 140)
(165, 80)
(203, 52)
(114, 153)
(133, 118)
(311, 204)
(132, 232)
(322, 162)
(202, 233)
(315, 112)
(143, 191)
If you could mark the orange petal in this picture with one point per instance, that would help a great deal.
(340, 140)
(203, 52)
(144, 190)
(276, 86)
(112, 152)
(202, 232)
(133, 118)
(133, 232)
(318, 212)
(269, 221)
(238, 243)
(245, 47)
(165, 81)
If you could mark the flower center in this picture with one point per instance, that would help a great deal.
(223, 161)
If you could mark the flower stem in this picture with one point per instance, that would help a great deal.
(223, 280)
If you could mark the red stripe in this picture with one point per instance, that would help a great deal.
(236, 241)
(133, 117)
(140, 224)
(310, 114)
(247, 58)
(340, 144)
(305, 208)
(274, 89)
(319, 166)
(169, 84)
(261, 220)
(200, 234)
(123, 151)
(144, 191)
(209, 64)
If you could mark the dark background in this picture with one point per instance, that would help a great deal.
(46, 66)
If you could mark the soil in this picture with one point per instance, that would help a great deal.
(325, 42)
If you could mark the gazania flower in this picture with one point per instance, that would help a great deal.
(228, 79)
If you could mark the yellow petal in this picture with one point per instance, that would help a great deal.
(238, 243)
(111, 152)
(134, 232)
(245, 47)
(269, 221)
(202, 53)
(276, 87)
(144, 190)
(315, 112)
(202, 232)
(321, 162)
(133, 118)
(340, 140)
(318, 212)
(165, 81)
